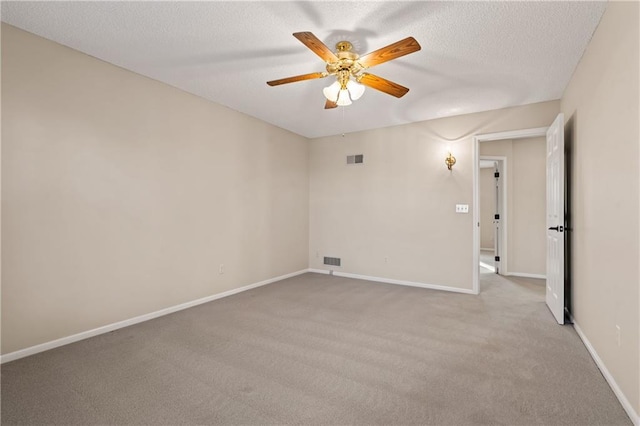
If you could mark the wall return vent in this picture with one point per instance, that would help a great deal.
(333, 261)
(355, 159)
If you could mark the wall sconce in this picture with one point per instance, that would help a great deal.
(450, 161)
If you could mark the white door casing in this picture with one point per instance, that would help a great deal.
(498, 217)
(477, 139)
(555, 219)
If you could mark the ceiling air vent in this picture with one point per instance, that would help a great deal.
(355, 159)
(333, 261)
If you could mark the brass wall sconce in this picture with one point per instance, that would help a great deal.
(450, 161)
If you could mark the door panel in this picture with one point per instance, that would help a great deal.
(555, 219)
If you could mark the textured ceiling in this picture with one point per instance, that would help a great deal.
(475, 56)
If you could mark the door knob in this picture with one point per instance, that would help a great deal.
(556, 228)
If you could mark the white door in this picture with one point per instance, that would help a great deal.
(555, 219)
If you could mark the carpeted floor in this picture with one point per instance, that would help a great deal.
(318, 349)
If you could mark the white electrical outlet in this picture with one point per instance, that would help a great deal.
(618, 335)
(462, 208)
(221, 269)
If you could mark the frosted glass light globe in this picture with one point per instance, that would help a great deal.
(331, 92)
(355, 89)
(343, 98)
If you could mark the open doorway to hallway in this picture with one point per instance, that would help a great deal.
(510, 195)
(518, 201)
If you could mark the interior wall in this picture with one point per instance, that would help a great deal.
(601, 111)
(529, 196)
(123, 196)
(487, 208)
(394, 216)
(526, 202)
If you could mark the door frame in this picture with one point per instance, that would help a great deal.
(477, 139)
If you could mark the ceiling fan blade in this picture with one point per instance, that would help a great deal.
(329, 104)
(302, 77)
(318, 47)
(392, 51)
(383, 85)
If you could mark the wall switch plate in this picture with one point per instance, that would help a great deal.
(462, 208)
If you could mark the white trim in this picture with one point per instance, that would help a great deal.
(475, 154)
(120, 324)
(475, 225)
(635, 418)
(513, 134)
(12, 356)
(487, 249)
(394, 281)
(526, 275)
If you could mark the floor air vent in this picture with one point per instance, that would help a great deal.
(333, 261)
(355, 159)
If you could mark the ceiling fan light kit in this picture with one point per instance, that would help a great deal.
(348, 68)
(343, 93)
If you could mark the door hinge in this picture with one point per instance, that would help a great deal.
(497, 258)
(496, 175)
(496, 217)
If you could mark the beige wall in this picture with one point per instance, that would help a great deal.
(400, 205)
(487, 201)
(528, 223)
(601, 108)
(93, 153)
(122, 195)
(526, 202)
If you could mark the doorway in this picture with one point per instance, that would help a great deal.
(502, 235)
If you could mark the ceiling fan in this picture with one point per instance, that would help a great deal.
(349, 69)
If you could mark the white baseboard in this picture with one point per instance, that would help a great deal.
(525, 275)
(605, 372)
(146, 317)
(393, 281)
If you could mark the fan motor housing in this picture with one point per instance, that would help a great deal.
(347, 60)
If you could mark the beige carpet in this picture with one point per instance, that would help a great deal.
(317, 349)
